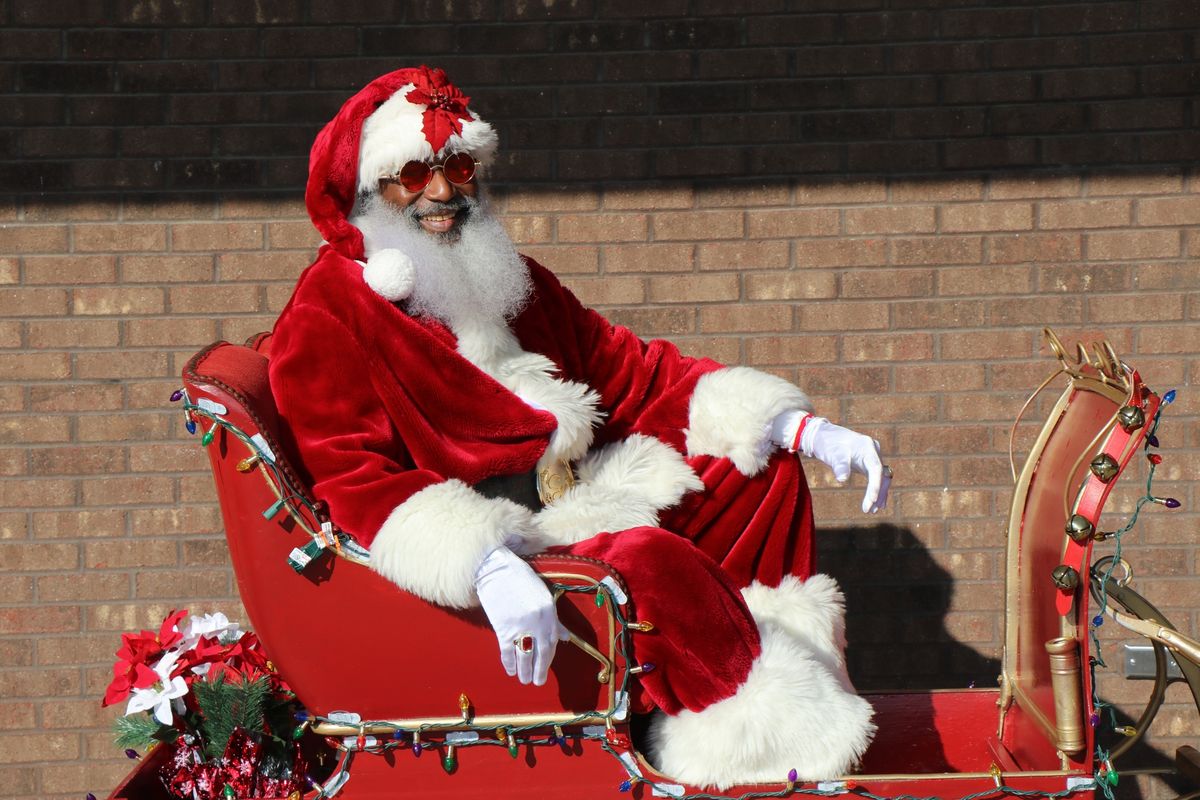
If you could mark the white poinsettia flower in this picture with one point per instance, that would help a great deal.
(211, 625)
(158, 698)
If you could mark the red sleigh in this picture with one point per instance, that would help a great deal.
(415, 698)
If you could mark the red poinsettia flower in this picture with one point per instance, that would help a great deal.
(139, 651)
(445, 106)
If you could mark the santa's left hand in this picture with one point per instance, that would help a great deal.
(840, 448)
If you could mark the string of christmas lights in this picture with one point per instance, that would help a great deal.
(1106, 775)
(306, 514)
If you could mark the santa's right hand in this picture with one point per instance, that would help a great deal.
(521, 610)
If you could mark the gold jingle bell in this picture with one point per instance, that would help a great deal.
(1079, 528)
(1105, 467)
(1130, 418)
(1065, 577)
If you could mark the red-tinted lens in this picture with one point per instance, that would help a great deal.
(459, 168)
(415, 175)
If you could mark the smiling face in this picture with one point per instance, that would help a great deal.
(440, 209)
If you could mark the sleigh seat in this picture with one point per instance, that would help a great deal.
(389, 677)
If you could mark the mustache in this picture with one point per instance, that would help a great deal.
(454, 205)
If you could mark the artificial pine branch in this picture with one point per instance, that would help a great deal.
(227, 705)
(141, 731)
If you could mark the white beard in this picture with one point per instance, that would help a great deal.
(479, 278)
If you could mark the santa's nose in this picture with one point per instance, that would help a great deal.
(439, 189)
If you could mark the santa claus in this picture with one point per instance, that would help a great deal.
(457, 408)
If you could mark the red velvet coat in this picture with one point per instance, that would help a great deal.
(381, 405)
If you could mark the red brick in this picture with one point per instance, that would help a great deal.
(72, 333)
(1032, 247)
(527, 229)
(842, 316)
(16, 238)
(1085, 278)
(31, 430)
(922, 378)
(1039, 187)
(743, 255)
(648, 258)
(562, 259)
(34, 366)
(217, 236)
(937, 250)
(186, 586)
(170, 332)
(10, 271)
(655, 322)
(292, 235)
(986, 345)
(808, 284)
(928, 190)
(1134, 183)
(20, 302)
(119, 238)
(1132, 245)
(987, 217)
(76, 460)
(985, 280)
(887, 347)
(1169, 211)
(179, 520)
(791, 223)
(37, 619)
(1142, 307)
(123, 301)
(123, 554)
(121, 364)
(215, 299)
(789, 350)
(841, 253)
(75, 397)
(70, 270)
(875, 411)
(609, 291)
(128, 490)
(639, 199)
(603, 228)
(1050, 310)
(557, 201)
(1085, 214)
(742, 196)
(892, 283)
(692, 288)
(694, 225)
(167, 268)
(940, 314)
(893, 219)
(745, 318)
(86, 586)
(78, 524)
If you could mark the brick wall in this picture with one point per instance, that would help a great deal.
(884, 202)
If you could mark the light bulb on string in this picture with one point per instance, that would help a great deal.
(176, 395)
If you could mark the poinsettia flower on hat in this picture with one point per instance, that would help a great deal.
(160, 696)
(445, 106)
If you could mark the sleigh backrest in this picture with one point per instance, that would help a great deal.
(1045, 700)
(343, 637)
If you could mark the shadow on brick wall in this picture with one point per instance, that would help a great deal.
(141, 96)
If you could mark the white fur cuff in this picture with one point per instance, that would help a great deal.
(731, 413)
(622, 485)
(791, 713)
(432, 543)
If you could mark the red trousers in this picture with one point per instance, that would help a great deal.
(685, 577)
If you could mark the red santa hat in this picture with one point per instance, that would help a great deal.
(412, 114)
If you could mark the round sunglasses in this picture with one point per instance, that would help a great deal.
(459, 168)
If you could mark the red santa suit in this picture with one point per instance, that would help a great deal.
(401, 421)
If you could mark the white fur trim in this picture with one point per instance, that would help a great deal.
(622, 485)
(432, 543)
(390, 274)
(494, 349)
(813, 612)
(731, 413)
(393, 135)
(791, 713)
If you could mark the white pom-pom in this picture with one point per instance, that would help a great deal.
(390, 274)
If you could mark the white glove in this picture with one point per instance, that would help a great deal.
(841, 449)
(521, 610)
